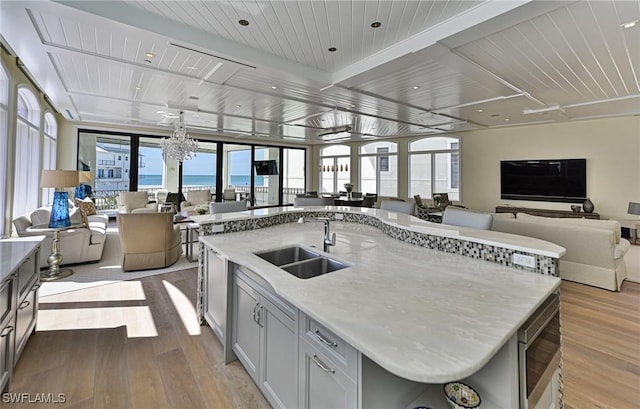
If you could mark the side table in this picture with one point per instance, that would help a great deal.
(55, 258)
(633, 225)
(191, 229)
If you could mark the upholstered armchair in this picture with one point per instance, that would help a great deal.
(229, 194)
(148, 240)
(196, 198)
(135, 202)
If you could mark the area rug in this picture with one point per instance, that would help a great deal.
(107, 271)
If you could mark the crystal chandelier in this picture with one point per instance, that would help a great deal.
(179, 146)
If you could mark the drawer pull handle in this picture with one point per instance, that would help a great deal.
(36, 286)
(321, 365)
(255, 307)
(25, 304)
(324, 340)
(6, 331)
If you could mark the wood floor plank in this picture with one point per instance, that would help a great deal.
(111, 379)
(179, 381)
(145, 383)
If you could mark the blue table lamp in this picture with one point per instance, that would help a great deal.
(59, 179)
(83, 187)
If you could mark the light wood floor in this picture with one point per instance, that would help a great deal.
(601, 346)
(106, 368)
(150, 357)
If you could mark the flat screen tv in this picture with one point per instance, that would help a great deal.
(266, 167)
(550, 180)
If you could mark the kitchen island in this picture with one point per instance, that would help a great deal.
(398, 322)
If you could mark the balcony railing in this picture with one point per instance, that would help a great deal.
(106, 201)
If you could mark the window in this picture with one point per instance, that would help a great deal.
(200, 172)
(434, 167)
(334, 168)
(379, 168)
(293, 170)
(28, 164)
(50, 149)
(4, 124)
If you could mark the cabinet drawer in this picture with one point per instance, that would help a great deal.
(27, 273)
(26, 320)
(6, 299)
(323, 385)
(343, 355)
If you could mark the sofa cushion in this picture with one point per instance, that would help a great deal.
(40, 216)
(612, 225)
(98, 226)
(75, 216)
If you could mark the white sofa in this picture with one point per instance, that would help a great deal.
(77, 245)
(595, 250)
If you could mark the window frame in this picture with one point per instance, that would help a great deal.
(433, 153)
(379, 159)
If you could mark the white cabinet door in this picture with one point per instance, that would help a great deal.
(215, 298)
(246, 330)
(322, 385)
(279, 353)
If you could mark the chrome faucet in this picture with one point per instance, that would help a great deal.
(329, 239)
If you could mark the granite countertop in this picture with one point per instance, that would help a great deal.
(404, 221)
(13, 252)
(421, 314)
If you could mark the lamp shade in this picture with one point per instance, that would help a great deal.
(59, 178)
(84, 177)
(634, 208)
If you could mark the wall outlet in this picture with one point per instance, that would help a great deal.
(523, 260)
(339, 216)
(217, 228)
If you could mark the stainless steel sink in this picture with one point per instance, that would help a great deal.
(301, 262)
(314, 267)
(287, 255)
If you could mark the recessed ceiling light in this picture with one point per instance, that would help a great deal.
(238, 106)
(332, 49)
(481, 110)
(353, 105)
(507, 119)
(149, 54)
(159, 112)
(415, 87)
(274, 87)
(243, 22)
(376, 24)
(138, 88)
(630, 24)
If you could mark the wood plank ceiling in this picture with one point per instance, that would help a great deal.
(430, 67)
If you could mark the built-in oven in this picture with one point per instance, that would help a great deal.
(539, 356)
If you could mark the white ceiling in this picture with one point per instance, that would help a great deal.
(477, 64)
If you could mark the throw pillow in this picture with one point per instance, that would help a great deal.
(86, 206)
(83, 215)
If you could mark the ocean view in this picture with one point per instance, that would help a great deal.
(198, 180)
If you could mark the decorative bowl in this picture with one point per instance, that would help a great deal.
(576, 208)
(461, 396)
